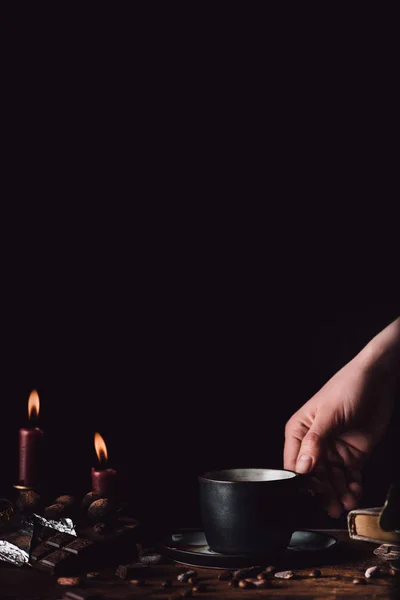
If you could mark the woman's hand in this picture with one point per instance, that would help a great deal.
(336, 430)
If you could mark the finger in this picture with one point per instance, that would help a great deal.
(342, 490)
(311, 448)
(294, 434)
(354, 483)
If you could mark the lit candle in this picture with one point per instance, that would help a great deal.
(30, 446)
(103, 479)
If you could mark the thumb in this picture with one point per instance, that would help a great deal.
(312, 444)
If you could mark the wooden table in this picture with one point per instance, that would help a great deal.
(338, 567)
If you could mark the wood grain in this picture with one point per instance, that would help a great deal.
(338, 569)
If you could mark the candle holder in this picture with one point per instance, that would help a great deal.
(22, 488)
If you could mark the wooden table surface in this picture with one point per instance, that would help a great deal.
(339, 566)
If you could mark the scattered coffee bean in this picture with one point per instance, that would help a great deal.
(167, 583)
(246, 585)
(249, 572)
(393, 572)
(89, 498)
(269, 569)
(262, 584)
(192, 580)
(69, 581)
(314, 573)
(261, 576)
(225, 576)
(137, 582)
(358, 581)
(234, 582)
(284, 574)
(372, 572)
(99, 509)
(28, 501)
(54, 511)
(93, 575)
(186, 593)
(199, 587)
(184, 577)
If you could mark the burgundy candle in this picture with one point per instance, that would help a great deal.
(30, 446)
(103, 479)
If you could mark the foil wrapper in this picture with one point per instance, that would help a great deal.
(19, 534)
(15, 540)
(63, 525)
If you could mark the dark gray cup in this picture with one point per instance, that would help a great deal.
(250, 511)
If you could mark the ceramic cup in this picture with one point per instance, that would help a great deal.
(250, 511)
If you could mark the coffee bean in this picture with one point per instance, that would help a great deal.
(137, 582)
(284, 575)
(249, 572)
(314, 573)
(246, 585)
(69, 581)
(393, 572)
(234, 582)
(262, 584)
(262, 576)
(358, 581)
(225, 576)
(93, 575)
(184, 577)
(269, 569)
(372, 572)
(192, 580)
(200, 587)
(167, 583)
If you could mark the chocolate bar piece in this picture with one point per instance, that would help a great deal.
(130, 571)
(40, 551)
(54, 562)
(78, 545)
(60, 539)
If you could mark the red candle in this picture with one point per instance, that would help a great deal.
(30, 446)
(103, 479)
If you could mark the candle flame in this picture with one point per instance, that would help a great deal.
(33, 405)
(101, 448)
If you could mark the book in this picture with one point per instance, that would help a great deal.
(364, 524)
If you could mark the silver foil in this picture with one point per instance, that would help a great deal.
(15, 541)
(63, 525)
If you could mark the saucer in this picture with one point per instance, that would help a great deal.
(190, 547)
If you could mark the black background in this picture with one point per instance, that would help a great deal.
(183, 265)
